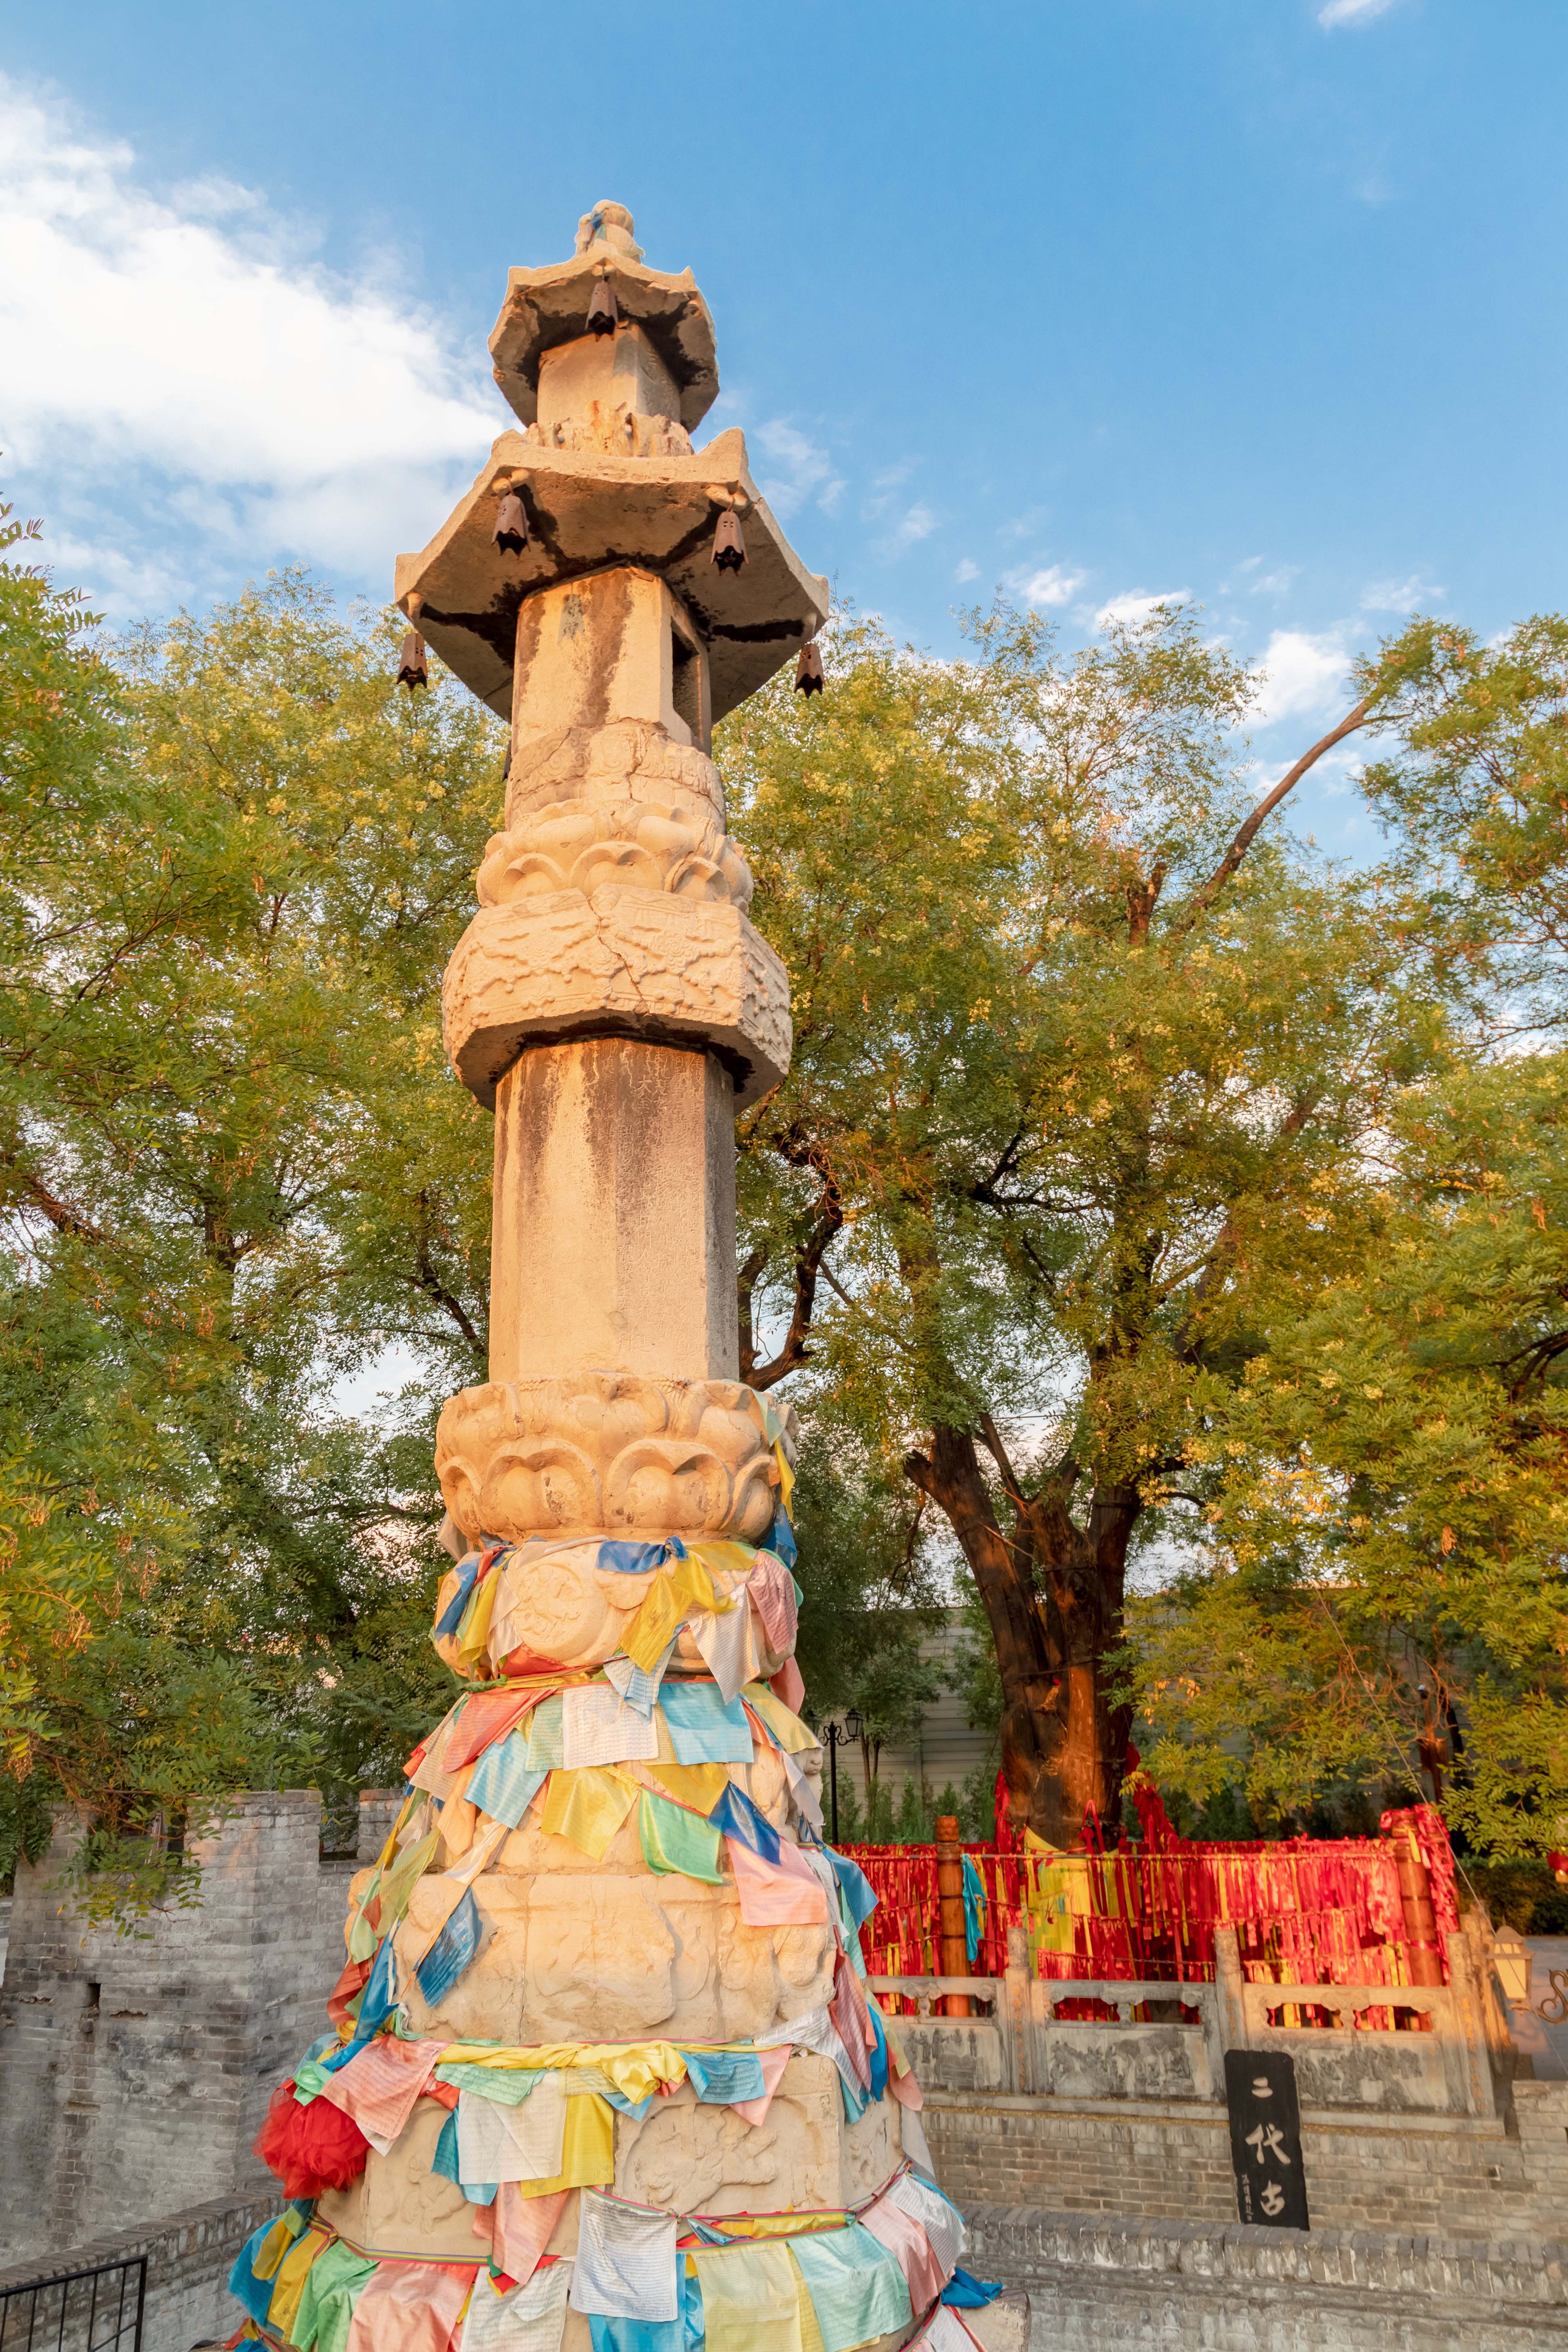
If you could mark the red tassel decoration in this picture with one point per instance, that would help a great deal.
(309, 2149)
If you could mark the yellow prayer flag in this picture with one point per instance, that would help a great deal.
(275, 2244)
(697, 1787)
(588, 1806)
(810, 2330)
(722, 1558)
(476, 1633)
(587, 2151)
(750, 2301)
(790, 1731)
(289, 2284)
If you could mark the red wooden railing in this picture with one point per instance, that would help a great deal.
(1306, 1910)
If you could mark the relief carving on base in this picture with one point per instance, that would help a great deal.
(609, 1454)
(627, 962)
(660, 843)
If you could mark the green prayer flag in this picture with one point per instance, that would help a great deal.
(331, 2288)
(673, 1839)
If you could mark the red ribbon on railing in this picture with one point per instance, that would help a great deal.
(1306, 1910)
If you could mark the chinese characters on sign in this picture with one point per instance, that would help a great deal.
(1266, 2137)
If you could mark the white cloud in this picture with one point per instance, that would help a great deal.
(178, 354)
(1136, 604)
(967, 569)
(1300, 675)
(917, 523)
(1352, 12)
(1042, 591)
(1399, 595)
(797, 470)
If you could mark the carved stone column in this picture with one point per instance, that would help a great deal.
(620, 1493)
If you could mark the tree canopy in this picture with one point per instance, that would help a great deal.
(1149, 1199)
(1087, 1056)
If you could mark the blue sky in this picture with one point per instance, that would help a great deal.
(1256, 301)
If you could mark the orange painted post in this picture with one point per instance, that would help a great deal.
(954, 1949)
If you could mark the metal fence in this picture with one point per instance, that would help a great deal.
(76, 2311)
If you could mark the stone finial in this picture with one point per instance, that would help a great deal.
(609, 225)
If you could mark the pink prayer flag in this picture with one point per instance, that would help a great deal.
(410, 2306)
(488, 1716)
(771, 1590)
(523, 2228)
(905, 2089)
(772, 1895)
(377, 2090)
(774, 2062)
(788, 1686)
(910, 2248)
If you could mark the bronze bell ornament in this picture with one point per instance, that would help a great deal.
(808, 677)
(512, 524)
(604, 317)
(411, 668)
(728, 546)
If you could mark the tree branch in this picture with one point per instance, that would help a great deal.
(828, 1220)
(1205, 895)
(425, 1278)
(36, 1195)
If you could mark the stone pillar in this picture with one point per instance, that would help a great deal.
(612, 1003)
(616, 1159)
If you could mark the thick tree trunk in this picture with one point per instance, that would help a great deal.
(1064, 1745)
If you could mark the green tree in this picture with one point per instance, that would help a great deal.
(1382, 1601)
(1084, 1052)
(1382, 1606)
(235, 1171)
(872, 1593)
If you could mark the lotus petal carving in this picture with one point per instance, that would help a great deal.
(609, 1453)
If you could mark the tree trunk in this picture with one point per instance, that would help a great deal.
(1064, 1745)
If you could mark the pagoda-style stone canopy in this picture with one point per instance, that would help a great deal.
(545, 308)
(608, 480)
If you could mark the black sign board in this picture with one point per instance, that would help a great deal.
(1265, 2138)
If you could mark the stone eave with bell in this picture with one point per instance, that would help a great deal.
(545, 308)
(590, 512)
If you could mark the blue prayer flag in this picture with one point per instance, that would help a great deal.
(970, 2293)
(638, 1559)
(504, 1784)
(720, 2077)
(735, 1816)
(451, 1616)
(445, 2162)
(858, 1893)
(450, 1953)
(704, 1728)
(974, 1906)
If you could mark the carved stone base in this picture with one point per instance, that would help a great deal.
(609, 1454)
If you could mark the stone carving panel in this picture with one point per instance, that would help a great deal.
(617, 430)
(610, 1453)
(671, 970)
(669, 843)
(597, 1952)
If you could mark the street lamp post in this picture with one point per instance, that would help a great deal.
(834, 1737)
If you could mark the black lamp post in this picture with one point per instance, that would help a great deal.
(834, 1737)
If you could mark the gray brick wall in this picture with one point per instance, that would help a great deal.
(1169, 2161)
(135, 2070)
(1107, 2286)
